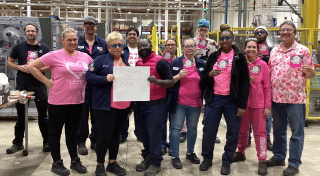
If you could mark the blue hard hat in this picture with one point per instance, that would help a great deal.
(203, 22)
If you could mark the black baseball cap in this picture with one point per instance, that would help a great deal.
(90, 19)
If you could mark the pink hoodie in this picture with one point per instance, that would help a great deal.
(259, 94)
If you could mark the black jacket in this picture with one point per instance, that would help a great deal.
(240, 79)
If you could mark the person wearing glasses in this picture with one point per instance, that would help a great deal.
(186, 102)
(171, 47)
(258, 107)
(205, 47)
(110, 115)
(226, 83)
(261, 34)
(130, 52)
(24, 53)
(290, 65)
(66, 96)
(152, 113)
(94, 46)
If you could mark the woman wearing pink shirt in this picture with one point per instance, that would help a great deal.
(258, 107)
(66, 95)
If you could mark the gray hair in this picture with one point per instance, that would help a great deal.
(289, 23)
(194, 41)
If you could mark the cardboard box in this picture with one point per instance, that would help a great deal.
(116, 26)
(184, 28)
(144, 27)
(188, 36)
(188, 28)
(4, 94)
(148, 27)
(126, 26)
(121, 26)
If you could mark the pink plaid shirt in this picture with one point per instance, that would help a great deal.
(288, 84)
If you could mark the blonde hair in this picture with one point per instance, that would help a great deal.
(114, 35)
(67, 29)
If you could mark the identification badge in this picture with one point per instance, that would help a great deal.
(202, 44)
(175, 68)
(223, 65)
(167, 56)
(32, 55)
(99, 48)
(188, 65)
(80, 47)
(263, 49)
(255, 70)
(296, 61)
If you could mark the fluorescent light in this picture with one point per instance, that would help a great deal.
(148, 9)
(40, 14)
(195, 4)
(129, 12)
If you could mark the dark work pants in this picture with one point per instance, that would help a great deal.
(68, 115)
(124, 131)
(150, 131)
(41, 100)
(83, 131)
(109, 124)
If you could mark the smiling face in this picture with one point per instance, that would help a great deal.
(115, 52)
(203, 30)
(144, 48)
(189, 47)
(251, 49)
(261, 37)
(226, 44)
(70, 41)
(90, 28)
(31, 32)
(286, 33)
(132, 37)
(171, 46)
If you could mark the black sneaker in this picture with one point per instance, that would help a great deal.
(122, 140)
(82, 149)
(238, 157)
(249, 143)
(163, 151)
(14, 148)
(269, 145)
(290, 171)
(193, 158)
(152, 171)
(262, 169)
(93, 146)
(59, 168)
(100, 171)
(217, 141)
(170, 152)
(183, 136)
(77, 165)
(176, 163)
(205, 165)
(143, 166)
(273, 162)
(116, 169)
(46, 147)
(225, 169)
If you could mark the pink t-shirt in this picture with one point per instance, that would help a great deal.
(118, 104)
(190, 92)
(222, 81)
(68, 73)
(90, 49)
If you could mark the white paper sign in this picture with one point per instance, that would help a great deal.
(131, 84)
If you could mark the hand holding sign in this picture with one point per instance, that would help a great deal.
(153, 79)
(183, 73)
(215, 72)
(110, 77)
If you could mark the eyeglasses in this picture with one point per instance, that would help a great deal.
(120, 45)
(31, 31)
(143, 46)
(281, 30)
(251, 39)
(170, 45)
(225, 38)
(132, 34)
(89, 24)
(188, 46)
(206, 27)
(260, 32)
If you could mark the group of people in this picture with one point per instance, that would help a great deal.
(244, 85)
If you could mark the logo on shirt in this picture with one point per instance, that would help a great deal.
(223, 64)
(40, 51)
(72, 68)
(255, 69)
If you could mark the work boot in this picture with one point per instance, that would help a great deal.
(122, 140)
(152, 171)
(269, 145)
(116, 169)
(163, 151)
(82, 149)
(77, 165)
(217, 141)
(205, 165)
(14, 148)
(59, 168)
(225, 169)
(144, 165)
(169, 152)
(290, 171)
(93, 146)
(176, 163)
(273, 162)
(183, 136)
(193, 158)
(100, 170)
(262, 169)
(238, 157)
(46, 147)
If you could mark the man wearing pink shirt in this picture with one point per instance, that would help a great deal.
(290, 65)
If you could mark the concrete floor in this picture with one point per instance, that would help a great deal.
(38, 163)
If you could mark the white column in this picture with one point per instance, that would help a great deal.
(154, 16)
(99, 12)
(85, 8)
(28, 9)
(159, 22)
(107, 21)
(66, 14)
(178, 20)
(166, 22)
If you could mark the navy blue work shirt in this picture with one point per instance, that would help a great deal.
(176, 65)
(99, 47)
(97, 76)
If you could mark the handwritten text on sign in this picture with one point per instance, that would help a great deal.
(131, 84)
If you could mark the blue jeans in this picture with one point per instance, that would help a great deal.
(192, 115)
(221, 104)
(151, 119)
(268, 127)
(293, 114)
